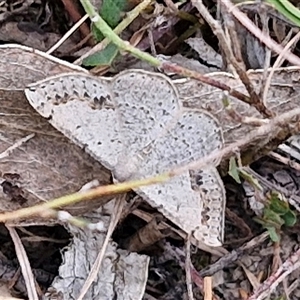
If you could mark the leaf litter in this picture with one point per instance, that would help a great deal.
(229, 282)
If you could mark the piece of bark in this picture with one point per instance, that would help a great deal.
(122, 275)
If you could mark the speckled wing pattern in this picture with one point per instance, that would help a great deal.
(195, 135)
(143, 115)
(134, 125)
(80, 107)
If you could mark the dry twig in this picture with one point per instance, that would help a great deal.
(24, 263)
(239, 66)
(287, 122)
(189, 284)
(269, 285)
(119, 204)
(233, 255)
(248, 24)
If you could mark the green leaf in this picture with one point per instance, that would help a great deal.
(287, 9)
(261, 221)
(97, 34)
(111, 12)
(272, 218)
(277, 204)
(102, 58)
(273, 234)
(289, 218)
(266, 223)
(233, 170)
(251, 179)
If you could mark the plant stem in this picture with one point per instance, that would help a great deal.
(163, 65)
(130, 16)
(108, 32)
(117, 188)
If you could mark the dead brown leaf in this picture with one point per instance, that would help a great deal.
(48, 164)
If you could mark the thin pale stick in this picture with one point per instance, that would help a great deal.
(294, 40)
(269, 285)
(268, 54)
(97, 264)
(248, 24)
(189, 284)
(16, 145)
(267, 130)
(217, 29)
(262, 131)
(24, 264)
(207, 282)
(68, 34)
(233, 256)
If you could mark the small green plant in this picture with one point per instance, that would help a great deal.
(238, 172)
(104, 57)
(276, 213)
(111, 11)
(234, 170)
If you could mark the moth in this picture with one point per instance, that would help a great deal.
(136, 126)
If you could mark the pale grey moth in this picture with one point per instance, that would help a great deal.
(135, 125)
